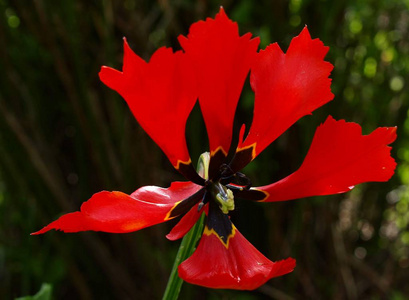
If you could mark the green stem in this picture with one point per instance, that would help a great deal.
(187, 246)
(189, 242)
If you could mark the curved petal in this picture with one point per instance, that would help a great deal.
(185, 223)
(339, 158)
(222, 60)
(287, 87)
(177, 191)
(234, 262)
(119, 213)
(161, 95)
(236, 266)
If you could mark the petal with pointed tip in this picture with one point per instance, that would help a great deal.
(287, 87)
(119, 213)
(339, 158)
(222, 60)
(185, 223)
(238, 266)
(160, 94)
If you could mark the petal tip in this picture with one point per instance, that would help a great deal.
(43, 230)
(170, 237)
(305, 31)
(222, 12)
(284, 267)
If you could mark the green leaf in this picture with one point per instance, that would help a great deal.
(45, 293)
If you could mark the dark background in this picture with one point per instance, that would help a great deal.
(64, 136)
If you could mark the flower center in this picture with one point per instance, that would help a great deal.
(220, 189)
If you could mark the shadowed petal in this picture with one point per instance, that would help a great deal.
(237, 265)
(339, 158)
(222, 60)
(119, 213)
(225, 259)
(185, 223)
(287, 87)
(161, 95)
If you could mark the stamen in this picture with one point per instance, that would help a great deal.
(225, 171)
(205, 200)
(242, 180)
(237, 179)
(200, 206)
(235, 187)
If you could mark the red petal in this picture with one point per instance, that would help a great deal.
(339, 158)
(177, 191)
(238, 266)
(185, 224)
(161, 95)
(118, 212)
(222, 60)
(287, 87)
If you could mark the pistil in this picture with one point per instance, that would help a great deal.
(223, 196)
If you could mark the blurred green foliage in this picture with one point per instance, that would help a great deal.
(65, 136)
(45, 293)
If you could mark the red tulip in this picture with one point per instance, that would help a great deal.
(212, 68)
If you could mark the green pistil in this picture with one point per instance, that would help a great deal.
(223, 196)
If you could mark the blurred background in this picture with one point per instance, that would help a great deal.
(64, 136)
